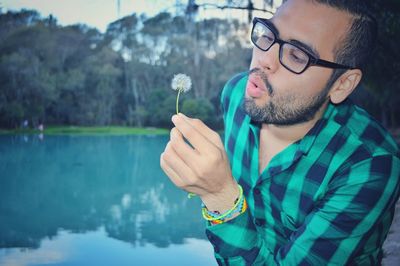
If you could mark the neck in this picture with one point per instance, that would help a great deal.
(292, 133)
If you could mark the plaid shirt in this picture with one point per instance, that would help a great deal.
(327, 199)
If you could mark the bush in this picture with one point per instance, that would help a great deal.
(199, 108)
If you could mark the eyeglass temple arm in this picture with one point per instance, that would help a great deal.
(323, 63)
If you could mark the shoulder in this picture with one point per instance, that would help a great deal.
(366, 131)
(366, 145)
(367, 161)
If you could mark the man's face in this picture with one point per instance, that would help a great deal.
(274, 95)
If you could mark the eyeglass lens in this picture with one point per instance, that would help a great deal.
(290, 56)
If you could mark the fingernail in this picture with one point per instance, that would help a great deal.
(174, 118)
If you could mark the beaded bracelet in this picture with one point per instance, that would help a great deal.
(217, 215)
(214, 217)
(241, 210)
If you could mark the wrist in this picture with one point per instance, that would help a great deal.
(215, 217)
(222, 201)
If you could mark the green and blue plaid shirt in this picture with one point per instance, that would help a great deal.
(327, 199)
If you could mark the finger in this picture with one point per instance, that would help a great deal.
(185, 152)
(174, 177)
(195, 138)
(174, 162)
(176, 180)
(210, 134)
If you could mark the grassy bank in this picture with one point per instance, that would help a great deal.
(112, 130)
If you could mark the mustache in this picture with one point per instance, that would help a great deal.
(264, 79)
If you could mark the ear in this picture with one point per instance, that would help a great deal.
(345, 85)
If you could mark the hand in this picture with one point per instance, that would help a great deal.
(202, 169)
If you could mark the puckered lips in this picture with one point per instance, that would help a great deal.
(255, 87)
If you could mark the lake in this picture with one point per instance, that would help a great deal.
(94, 200)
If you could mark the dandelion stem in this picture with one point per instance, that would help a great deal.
(177, 101)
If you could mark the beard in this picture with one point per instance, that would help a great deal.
(285, 109)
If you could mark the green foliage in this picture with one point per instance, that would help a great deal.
(199, 108)
(157, 25)
(166, 111)
(160, 108)
(13, 112)
(76, 75)
(383, 72)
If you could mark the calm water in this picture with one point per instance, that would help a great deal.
(101, 200)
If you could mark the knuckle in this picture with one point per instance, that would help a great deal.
(173, 132)
(215, 157)
(167, 147)
(189, 183)
(168, 151)
(173, 145)
(193, 182)
(201, 173)
(189, 133)
(196, 121)
(162, 162)
(216, 136)
(220, 154)
(177, 183)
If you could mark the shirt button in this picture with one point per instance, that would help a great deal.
(256, 191)
(259, 222)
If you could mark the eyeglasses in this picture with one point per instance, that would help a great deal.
(294, 58)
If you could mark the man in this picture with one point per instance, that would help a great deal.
(320, 177)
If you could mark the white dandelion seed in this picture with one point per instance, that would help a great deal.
(180, 82)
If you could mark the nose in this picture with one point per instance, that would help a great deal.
(267, 60)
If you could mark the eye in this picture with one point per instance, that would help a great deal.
(298, 56)
(269, 37)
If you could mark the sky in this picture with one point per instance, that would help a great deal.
(99, 13)
(95, 13)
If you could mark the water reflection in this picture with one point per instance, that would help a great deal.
(81, 184)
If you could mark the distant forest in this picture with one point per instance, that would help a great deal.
(75, 75)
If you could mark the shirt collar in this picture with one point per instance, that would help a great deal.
(304, 144)
(308, 140)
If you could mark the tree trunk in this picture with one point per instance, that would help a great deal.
(135, 92)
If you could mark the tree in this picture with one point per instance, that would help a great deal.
(76, 75)
(383, 73)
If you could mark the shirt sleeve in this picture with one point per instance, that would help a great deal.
(332, 234)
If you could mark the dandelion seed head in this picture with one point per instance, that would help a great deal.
(181, 82)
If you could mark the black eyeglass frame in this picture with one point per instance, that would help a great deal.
(313, 61)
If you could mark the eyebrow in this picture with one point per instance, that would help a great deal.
(308, 47)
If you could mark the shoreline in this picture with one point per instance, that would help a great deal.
(84, 130)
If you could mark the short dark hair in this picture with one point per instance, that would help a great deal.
(355, 49)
